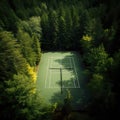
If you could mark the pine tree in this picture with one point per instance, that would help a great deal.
(75, 28)
(97, 59)
(26, 43)
(35, 26)
(45, 38)
(62, 33)
(36, 48)
(11, 59)
(53, 26)
(68, 19)
(17, 84)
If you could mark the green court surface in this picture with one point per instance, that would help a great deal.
(59, 72)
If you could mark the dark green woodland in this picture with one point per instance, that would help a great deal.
(30, 27)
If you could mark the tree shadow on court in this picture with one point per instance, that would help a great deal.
(79, 100)
(76, 64)
(65, 62)
(73, 55)
(80, 96)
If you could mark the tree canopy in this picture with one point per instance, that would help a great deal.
(28, 27)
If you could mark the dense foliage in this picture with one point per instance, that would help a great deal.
(91, 27)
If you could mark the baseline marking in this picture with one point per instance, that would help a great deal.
(59, 87)
(49, 63)
(49, 75)
(76, 74)
(47, 71)
(53, 85)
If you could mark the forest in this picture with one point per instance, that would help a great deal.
(29, 27)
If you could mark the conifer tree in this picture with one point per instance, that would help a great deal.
(53, 26)
(62, 33)
(36, 48)
(68, 19)
(16, 84)
(26, 43)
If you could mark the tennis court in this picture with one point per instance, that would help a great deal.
(59, 72)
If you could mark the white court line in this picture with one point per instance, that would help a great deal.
(71, 67)
(56, 57)
(50, 73)
(47, 72)
(77, 77)
(52, 87)
(52, 61)
(76, 72)
(51, 80)
(49, 76)
(59, 87)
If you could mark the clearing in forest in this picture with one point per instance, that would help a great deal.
(58, 73)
